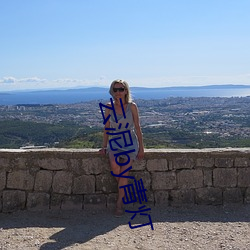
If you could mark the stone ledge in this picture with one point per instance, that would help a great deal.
(80, 178)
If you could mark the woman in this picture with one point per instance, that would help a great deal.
(119, 89)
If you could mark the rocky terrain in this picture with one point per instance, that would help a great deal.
(198, 227)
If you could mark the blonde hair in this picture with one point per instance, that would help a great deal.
(128, 97)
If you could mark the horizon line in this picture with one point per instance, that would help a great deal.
(131, 87)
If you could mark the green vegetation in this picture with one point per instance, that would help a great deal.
(16, 133)
(84, 138)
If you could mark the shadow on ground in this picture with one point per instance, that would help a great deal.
(81, 226)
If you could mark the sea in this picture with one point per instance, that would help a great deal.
(72, 96)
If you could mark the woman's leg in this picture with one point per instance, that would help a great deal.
(122, 182)
(114, 166)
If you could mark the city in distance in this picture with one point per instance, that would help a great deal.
(173, 122)
(76, 95)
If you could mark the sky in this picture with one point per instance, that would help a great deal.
(51, 44)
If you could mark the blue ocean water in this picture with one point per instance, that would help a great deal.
(82, 95)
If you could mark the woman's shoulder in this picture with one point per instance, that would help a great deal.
(133, 104)
(107, 110)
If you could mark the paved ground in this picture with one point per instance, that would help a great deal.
(174, 228)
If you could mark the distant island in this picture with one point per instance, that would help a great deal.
(77, 95)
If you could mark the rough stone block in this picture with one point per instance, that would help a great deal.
(247, 196)
(95, 166)
(84, 184)
(232, 195)
(161, 198)
(75, 166)
(13, 200)
(52, 164)
(150, 198)
(183, 162)
(145, 199)
(225, 177)
(21, 162)
(2, 180)
(181, 197)
(5, 164)
(94, 201)
(157, 165)
(111, 200)
(20, 179)
(163, 180)
(242, 162)
(205, 162)
(190, 178)
(224, 162)
(106, 183)
(38, 201)
(72, 202)
(43, 181)
(208, 177)
(170, 165)
(139, 165)
(208, 196)
(56, 201)
(62, 182)
(1, 201)
(244, 177)
(145, 176)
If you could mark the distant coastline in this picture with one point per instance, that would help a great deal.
(76, 95)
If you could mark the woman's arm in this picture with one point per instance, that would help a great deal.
(137, 125)
(105, 136)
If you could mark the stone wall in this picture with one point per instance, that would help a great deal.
(81, 179)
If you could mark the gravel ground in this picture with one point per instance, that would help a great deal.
(199, 227)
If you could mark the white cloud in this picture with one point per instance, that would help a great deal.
(32, 80)
(101, 81)
(12, 80)
(11, 83)
(68, 80)
(8, 80)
